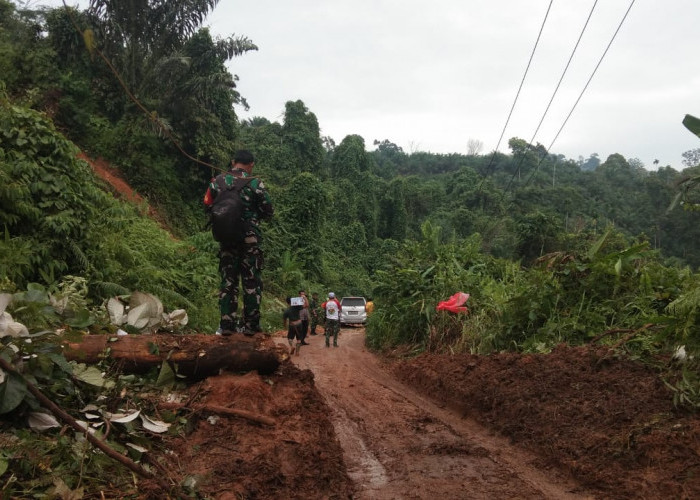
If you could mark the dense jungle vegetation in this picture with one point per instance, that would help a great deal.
(551, 249)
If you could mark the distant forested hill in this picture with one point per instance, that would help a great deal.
(152, 95)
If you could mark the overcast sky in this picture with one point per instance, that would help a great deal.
(431, 75)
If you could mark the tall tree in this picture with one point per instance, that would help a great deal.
(393, 220)
(302, 138)
(197, 94)
(137, 34)
(303, 218)
(691, 158)
(351, 163)
(350, 160)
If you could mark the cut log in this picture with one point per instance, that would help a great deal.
(194, 356)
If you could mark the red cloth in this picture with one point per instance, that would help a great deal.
(208, 198)
(454, 304)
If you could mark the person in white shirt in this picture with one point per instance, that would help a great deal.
(332, 308)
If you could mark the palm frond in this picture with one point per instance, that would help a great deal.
(79, 255)
(228, 48)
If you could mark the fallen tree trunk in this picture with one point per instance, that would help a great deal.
(194, 356)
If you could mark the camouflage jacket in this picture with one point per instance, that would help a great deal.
(256, 200)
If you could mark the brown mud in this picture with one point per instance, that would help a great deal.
(572, 424)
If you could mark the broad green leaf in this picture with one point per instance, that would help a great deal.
(89, 39)
(44, 363)
(82, 319)
(91, 375)
(618, 267)
(634, 251)
(36, 293)
(12, 392)
(61, 362)
(597, 245)
(166, 376)
(692, 123)
(3, 466)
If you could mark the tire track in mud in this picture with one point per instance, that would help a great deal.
(398, 444)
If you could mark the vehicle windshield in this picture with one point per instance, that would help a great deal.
(353, 302)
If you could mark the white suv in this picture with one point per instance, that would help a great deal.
(352, 310)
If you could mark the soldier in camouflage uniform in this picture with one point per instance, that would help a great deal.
(243, 261)
(317, 314)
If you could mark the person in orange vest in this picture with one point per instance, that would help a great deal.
(369, 306)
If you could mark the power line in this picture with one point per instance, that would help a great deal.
(584, 88)
(532, 55)
(556, 90)
(565, 70)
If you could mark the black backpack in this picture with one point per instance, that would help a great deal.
(227, 225)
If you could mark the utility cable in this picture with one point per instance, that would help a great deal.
(532, 55)
(565, 70)
(584, 88)
(556, 90)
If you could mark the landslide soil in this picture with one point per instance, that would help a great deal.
(575, 423)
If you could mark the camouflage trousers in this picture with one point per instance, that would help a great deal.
(332, 330)
(316, 319)
(243, 263)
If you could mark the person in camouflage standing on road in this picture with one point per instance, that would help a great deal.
(242, 261)
(316, 313)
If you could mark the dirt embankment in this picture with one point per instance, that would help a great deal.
(230, 458)
(121, 189)
(610, 423)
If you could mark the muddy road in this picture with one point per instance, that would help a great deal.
(399, 445)
(578, 422)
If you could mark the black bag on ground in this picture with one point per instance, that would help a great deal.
(227, 224)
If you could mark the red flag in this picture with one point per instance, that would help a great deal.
(454, 304)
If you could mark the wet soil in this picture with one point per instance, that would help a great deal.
(610, 423)
(573, 424)
(398, 444)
